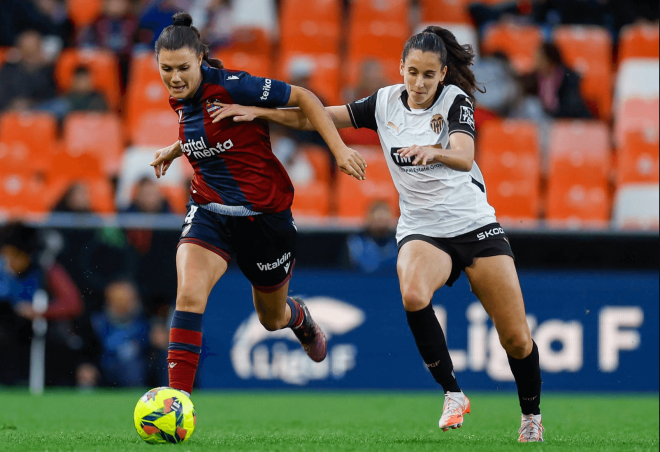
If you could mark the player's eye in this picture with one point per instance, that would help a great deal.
(166, 69)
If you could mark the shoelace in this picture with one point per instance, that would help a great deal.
(530, 429)
(452, 406)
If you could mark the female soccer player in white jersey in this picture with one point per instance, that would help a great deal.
(426, 129)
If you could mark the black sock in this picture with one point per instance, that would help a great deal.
(432, 346)
(527, 373)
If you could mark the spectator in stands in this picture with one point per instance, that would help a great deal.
(375, 249)
(82, 96)
(148, 198)
(155, 16)
(372, 78)
(286, 149)
(26, 78)
(44, 16)
(115, 30)
(124, 336)
(75, 200)
(214, 20)
(503, 90)
(557, 86)
(24, 271)
(59, 24)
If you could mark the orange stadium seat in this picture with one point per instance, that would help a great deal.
(95, 133)
(588, 50)
(579, 170)
(23, 194)
(312, 199)
(319, 158)
(238, 60)
(637, 158)
(177, 196)
(636, 114)
(508, 155)
(390, 69)
(518, 42)
(445, 11)
(156, 129)
(378, 28)
(639, 41)
(84, 12)
(310, 27)
(27, 141)
(3, 54)
(100, 191)
(102, 65)
(146, 94)
(354, 197)
(67, 167)
(325, 76)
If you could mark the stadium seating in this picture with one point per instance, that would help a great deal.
(636, 114)
(636, 207)
(23, 195)
(637, 77)
(588, 50)
(378, 29)
(637, 157)
(355, 197)
(3, 54)
(250, 51)
(100, 191)
(310, 27)
(146, 93)
(102, 65)
(27, 141)
(158, 129)
(518, 42)
(99, 134)
(579, 164)
(325, 76)
(639, 41)
(83, 12)
(508, 155)
(453, 11)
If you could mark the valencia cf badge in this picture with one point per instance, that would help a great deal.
(212, 105)
(437, 121)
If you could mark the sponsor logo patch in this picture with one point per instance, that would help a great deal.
(198, 149)
(491, 233)
(268, 83)
(467, 116)
(273, 265)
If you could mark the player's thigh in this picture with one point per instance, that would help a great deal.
(198, 270)
(423, 268)
(494, 280)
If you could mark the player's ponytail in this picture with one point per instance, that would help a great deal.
(182, 34)
(458, 58)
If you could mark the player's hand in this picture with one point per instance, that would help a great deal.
(422, 155)
(351, 162)
(239, 112)
(24, 309)
(165, 157)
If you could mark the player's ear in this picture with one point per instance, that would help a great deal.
(443, 73)
(200, 58)
(401, 66)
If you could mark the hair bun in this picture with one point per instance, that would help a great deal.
(182, 19)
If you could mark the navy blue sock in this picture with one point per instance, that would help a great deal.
(297, 313)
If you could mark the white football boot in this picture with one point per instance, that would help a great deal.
(531, 429)
(455, 406)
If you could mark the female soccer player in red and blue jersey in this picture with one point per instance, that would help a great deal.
(240, 195)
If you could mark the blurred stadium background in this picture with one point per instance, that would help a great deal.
(567, 142)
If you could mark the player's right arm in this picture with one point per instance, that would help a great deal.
(165, 157)
(293, 118)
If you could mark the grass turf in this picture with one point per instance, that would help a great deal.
(332, 421)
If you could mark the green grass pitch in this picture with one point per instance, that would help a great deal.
(328, 421)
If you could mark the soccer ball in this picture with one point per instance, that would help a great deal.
(164, 415)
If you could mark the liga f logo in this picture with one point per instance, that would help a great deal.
(437, 121)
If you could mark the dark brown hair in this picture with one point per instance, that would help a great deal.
(458, 58)
(182, 34)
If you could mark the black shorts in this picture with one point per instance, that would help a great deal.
(264, 245)
(490, 240)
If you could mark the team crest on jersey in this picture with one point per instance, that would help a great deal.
(437, 122)
(212, 105)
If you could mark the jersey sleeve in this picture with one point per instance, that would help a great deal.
(249, 90)
(363, 112)
(461, 116)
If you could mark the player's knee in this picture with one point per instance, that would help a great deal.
(271, 323)
(414, 299)
(190, 302)
(517, 345)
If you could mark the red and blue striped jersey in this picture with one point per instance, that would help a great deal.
(233, 162)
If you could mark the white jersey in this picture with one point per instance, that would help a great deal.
(434, 200)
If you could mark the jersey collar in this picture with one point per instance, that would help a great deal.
(404, 98)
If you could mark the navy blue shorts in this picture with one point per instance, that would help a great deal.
(264, 245)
